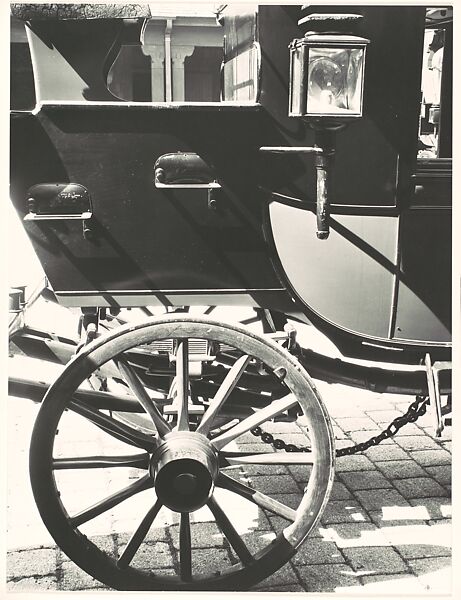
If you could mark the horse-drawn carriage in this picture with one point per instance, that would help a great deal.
(279, 158)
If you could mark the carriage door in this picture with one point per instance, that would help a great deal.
(155, 122)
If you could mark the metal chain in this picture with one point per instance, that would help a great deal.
(417, 408)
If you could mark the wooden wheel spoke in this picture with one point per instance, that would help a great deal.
(223, 393)
(268, 458)
(118, 430)
(138, 536)
(138, 461)
(258, 498)
(182, 384)
(138, 389)
(230, 532)
(107, 503)
(185, 549)
(264, 414)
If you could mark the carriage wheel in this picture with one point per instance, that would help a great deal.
(184, 481)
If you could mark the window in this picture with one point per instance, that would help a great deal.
(179, 59)
(22, 94)
(435, 126)
(184, 52)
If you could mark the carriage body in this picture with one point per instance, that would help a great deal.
(385, 272)
(140, 171)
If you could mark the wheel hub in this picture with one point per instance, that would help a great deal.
(184, 469)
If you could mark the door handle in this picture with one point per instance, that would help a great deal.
(185, 170)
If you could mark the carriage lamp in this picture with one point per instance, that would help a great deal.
(326, 75)
(327, 69)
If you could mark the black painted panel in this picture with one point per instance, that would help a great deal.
(143, 237)
(424, 297)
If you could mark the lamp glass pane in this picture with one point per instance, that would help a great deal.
(335, 81)
(296, 82)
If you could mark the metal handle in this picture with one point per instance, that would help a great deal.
(55, 217)
(185, 170)
(323, 163)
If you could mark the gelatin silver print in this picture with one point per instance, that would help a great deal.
(230, 298)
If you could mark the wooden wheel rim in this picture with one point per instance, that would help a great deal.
(84, 552)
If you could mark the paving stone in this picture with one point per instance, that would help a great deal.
(374, 560)
(388, 452)
(416, 442)
(205, 535)
(73, 578)
(153, 556)
(317, 552)
(383, 416)
(256, 541)
(446, 436)
(328, 578)
(249, 438)
(400, 469)
(293, 587)
(408, 551)
(367, 480)
(165, 573)
(291, 500)
(410, 429)
(33, 584)
(363, 436)
(255, 447)
(343, 511)
(396, 516)
(271, 470)
(157, 534)
(442, 474)
(105, 543)
(436, 508)
(423, 420)
(447, 446)
(298, 439)
(30, 563)
(356, 423)
(300, 472)
(391, 584)
(374, 499)
(419, 487)
(404, 532)
(434, 573)
(353, 535)
(356, 462)
(280, 427)
(278, 524)
(339, 433)
(284, 576)
(210, 560)
(428, 458)
(344, 443)
(339, 491)
(340, 410)
(278, 484)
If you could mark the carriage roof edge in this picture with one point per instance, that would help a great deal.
(48, 12)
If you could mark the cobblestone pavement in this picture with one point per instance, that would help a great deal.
(386, 530)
